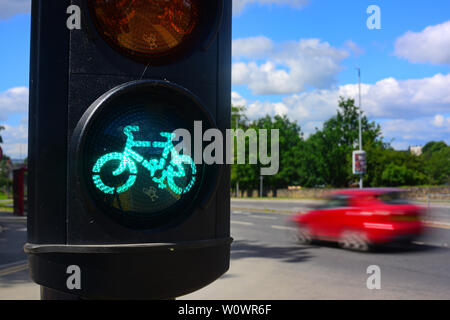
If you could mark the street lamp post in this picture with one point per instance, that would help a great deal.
(359, 120)
(261, 178)
(237, 181)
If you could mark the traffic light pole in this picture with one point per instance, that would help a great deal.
(163, 232)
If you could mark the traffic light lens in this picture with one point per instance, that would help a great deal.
(133, 165)
(148, 28)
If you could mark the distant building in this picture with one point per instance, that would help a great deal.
(417, 150)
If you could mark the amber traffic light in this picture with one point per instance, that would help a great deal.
(149, 29)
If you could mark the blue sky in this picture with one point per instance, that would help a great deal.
(296, 57)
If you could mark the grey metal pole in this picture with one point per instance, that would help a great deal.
(261, 178)
(359, 119)
(237, 181)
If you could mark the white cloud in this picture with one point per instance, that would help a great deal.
(290, 67)
(388, 98)
(409, 132)
(13, 101)
(439, 120)
(254, 47)
(259, 109)
(15, 140)
(237, 99)
(428, 46)
(354, 48)
(409, 110)
(9, 8)
(239, 5)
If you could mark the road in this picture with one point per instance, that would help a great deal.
(267, 264)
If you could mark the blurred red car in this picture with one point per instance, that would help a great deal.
(359, 219)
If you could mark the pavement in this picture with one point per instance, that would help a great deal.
(15, 283)
(267, 264)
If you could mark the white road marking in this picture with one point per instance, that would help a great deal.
(241, 212)
(437, 224)
(13, 267)
(282, 228)
(443, 245)
(243, 223)
(262, 217)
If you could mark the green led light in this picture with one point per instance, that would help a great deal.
(127, 160)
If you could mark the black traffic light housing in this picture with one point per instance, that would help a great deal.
(75, 78)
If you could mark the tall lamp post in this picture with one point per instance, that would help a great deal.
(237, 180)
(359, 120)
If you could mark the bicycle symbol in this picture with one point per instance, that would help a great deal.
(129, 158)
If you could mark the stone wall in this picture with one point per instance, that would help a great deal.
(418, 193)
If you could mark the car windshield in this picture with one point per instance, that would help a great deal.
(335, 202)
(393, 198)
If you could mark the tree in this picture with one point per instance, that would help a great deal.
(238, 117)
(241, 174)
(432, 147)
(4, 172)
(1, 128)
(436, 156)
(290, 149)
(324, 159)
(327, 160)
(248, 175)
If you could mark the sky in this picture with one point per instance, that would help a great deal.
(296, 57)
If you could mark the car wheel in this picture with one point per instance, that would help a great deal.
(302, 235)
(354, 240)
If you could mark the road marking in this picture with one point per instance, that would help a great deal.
(13, 219)
(262, 217)
(436, 224)
(443, 245)
(282, 228)
(13, 267)
(241, 212)
(243, 223)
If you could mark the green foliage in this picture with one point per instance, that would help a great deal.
(400, 175)
(327, 160)
(4, 173)
(290, 146)
(324, 159)
(248, 175)
(432, 147)
(436, 156)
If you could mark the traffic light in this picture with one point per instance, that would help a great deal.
(119, 205)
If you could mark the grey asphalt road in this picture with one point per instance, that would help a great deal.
(12, 239)
(267, 264)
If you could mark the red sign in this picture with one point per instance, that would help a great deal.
(359, 162)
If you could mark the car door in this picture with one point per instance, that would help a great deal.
(331, 217)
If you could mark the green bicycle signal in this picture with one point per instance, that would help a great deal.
(128, 160)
